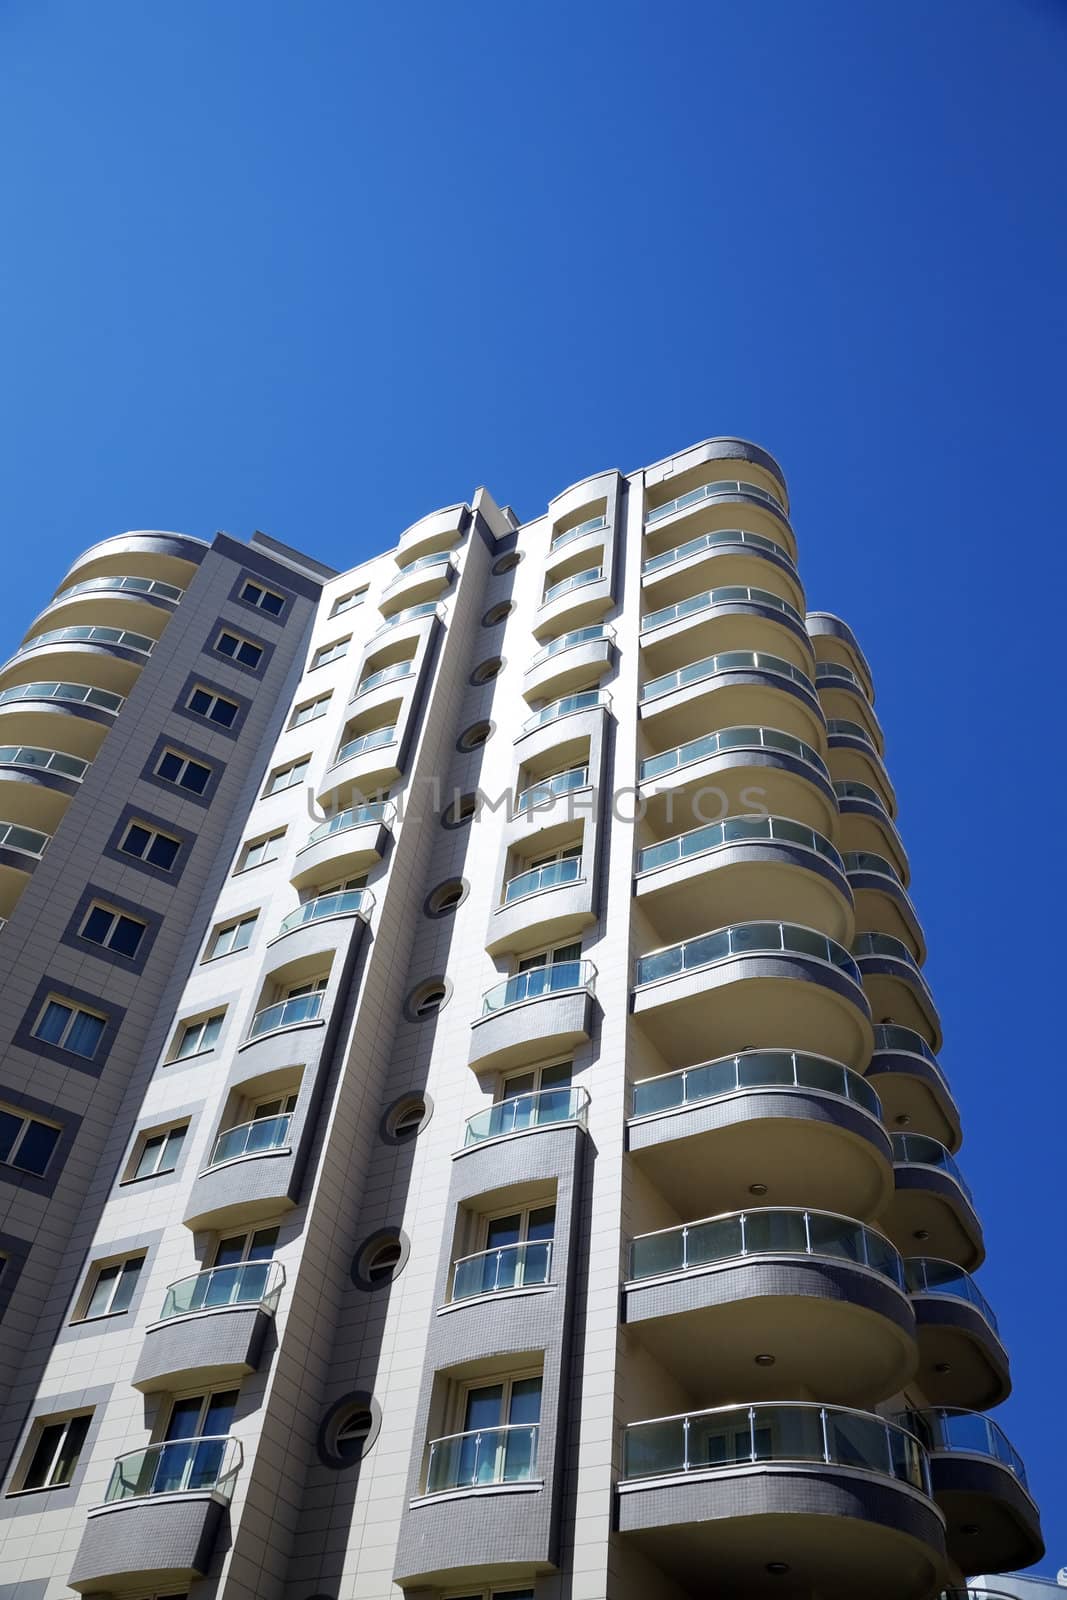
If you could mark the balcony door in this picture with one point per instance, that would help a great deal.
(500, 1428)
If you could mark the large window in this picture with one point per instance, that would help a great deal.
(259, 851)
(231, 936)
(287, 777)
(183, 771)
(70, 1027)
(147, 843)
(115, 930)
(156, 1152)
(349, 601)
(55, 1446)
(195, 1037)
(254, 594)
(110, 1287)
(26, 1143)
(311, 710)
(330, 652)
(204, 702)
(238, 648)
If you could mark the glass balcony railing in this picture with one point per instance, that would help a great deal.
(890, 1039)
(925, 1275)
(177, 1466)
(366, 741)
(399, 669)
(711, 491)
(342, 903)
(585, 700)
(712, 744)
(151, 586)
(550, 876)
(244, 1283)
(843, 728)
(577, 580)
(945, 1429)
(29, 841)
(539, 1108)
(76, 693)
(827, 670)
(725, 661)
(764, 1232)
(535, 982)
(746, 938)
(92, 635)
(731, 594)
(286, 1013)
(252, 1138)
(882, 946)
(489, 1455)
(438, 558)
(378, 811)
(409, 614)
(788, 1431)
(851, 790)
(711, 541)
(754, 1069)
(548, 789)
(919, 1150)
(31, 755)
(569, 641)
(509, 1266)
(736, 830)
(568, 536)
(867, 861)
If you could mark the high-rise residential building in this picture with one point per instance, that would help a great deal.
(470, 1116)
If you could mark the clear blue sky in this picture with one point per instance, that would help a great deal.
(319, 268)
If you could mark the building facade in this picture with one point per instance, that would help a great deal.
(470, 1117)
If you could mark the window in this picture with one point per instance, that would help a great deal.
(446, 897)
(157, 1153)
(110, 1288)
(311, 710)
(497, 614)
(350, 1441)
(70, 1027)
(253, 594)
(240, 1247)
(539, 1079)
(26, 1143)
(183, 771)
(196, 1416)
(381, 1262)
(259, 851)
(113, 929)
(474, 737)
(487, 670)
(146, 843)
(330, 652)
(349, 601)
(231, 936)
(408, 1119)
(429, 998)
(194, 1038)
(287, 777)
(462, 809)
(550, 958)
(239, 648)
(56, 1445)
(516, 1250)
(215, 707)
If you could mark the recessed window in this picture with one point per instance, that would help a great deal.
(474, 737)
(259, 851)
(406, 1118)
(156, 1153)
(196, 1037)
(348, 602)
(353, 1433)
(507, 563)
(70, 1027)
(146, 843)
(330, 652)
(238, 648)
(487, 670)
(183, 771)
(461, 810)
(114, 930)
(311, 710)
(383, 1261)
(110, 1288)
(213, 707)
(253, 594)
(231, 936)
(427, 999)
(349, 1430)
(26, 1143)
(498, 613)
(55, 1446)
(287, 777)
(446, 897)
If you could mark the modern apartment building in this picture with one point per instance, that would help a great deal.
(470, 1117)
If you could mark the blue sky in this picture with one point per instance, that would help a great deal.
(318, 269)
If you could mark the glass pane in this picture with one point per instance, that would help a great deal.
(36, 1148)
(185, 1418)
(219, 1418)
(525, 1401)
(483, 1407)
(84, 1035)
(53, 1021)
(775, 1230)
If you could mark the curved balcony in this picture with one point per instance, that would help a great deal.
(724, 555)
(852, 755)
(913, 1089)
(541, 1011)
(438, 531)
(249, 1175)
(732, 617)
(140, 605)
(538, 879)
(564, 664)
(833, 640)
(483, 1458)
(979, 1481)
(38, 785)
(710, 506)
(424, 579)
(569, 706)
(430, 608)
(506, 1269)
(932, 1203)
(843, 696)
(883, 905)
(574, 600)
(161, 1516)
(581, 530)
(20, 850)
(867, 825)
(763, 866)
(345, 844)
(546, 791)
(363, 765)
(528, 1113)
(140, 588)
(51, 696)
(23, 841)
(787, 774)
(112, 657)
(836, 1500)
(731, 688)
(802, 1128)
(32, 758)
(821, 1293)
(390, 674)
(299, 1012)
(895, 986)
(168, 557)
(342, 903)
(774, 984)
(545, 905)
(212, 1327)
(962, 1361)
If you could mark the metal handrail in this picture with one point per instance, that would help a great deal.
(773, 1231)
(577, 580)
(286, 1013)
(570, 640)
(950, 1429)
(548, 876)
(365, 741)
(737, 594)
(711, 491)
(28, 841)
(177, 1466)
(507, 1454)
(547, 789)
(919, 1149)
(744, 938)
(557, 977)
(79, 693)
(505, 1266)
(736, 830)
(95, 634)
(584, 700)
(739, 738)
(749, 1070)
(129, 585)
(399, 669)
(725, 661)
(382, 811)
(251, 1138)
(241, 1283)
(931, 1275)
(29, 755)
(709, 541)
(537, 1108)
(591, 525)
(342, 903)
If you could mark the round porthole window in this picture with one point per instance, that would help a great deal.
(498, 613)
(507, 563)
(349, 1430)
(380, 1259)
(487, 670)
(460, 811)
(475, 736)
(443, 900)
(427, 999)
(405, 1119)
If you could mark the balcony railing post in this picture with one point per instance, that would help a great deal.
(825, 1434)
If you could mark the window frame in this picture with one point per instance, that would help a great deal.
(247, 919)
(241, 640)
(214, 698)
(188, 1025)
(119, 1265)
(264, 593)
(299, 766)
(297, 721)
(349, 601)
(76, 1009)
(243, 864)
(117, 917)
(185, 762)
(333, 650)
(153, 833)
(141, 1142)
(39, 1429)
(28, 1121)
